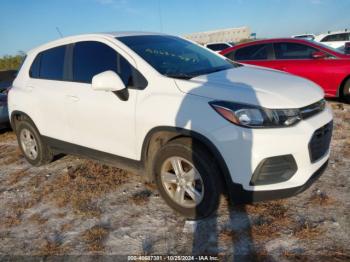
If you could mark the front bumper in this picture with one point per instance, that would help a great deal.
(238, 195)
(244, 149)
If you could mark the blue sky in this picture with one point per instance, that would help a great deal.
(25, 24)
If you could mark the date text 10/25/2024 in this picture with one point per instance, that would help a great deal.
(173, 258)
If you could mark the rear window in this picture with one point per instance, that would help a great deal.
(218, 47)
(336, 37)
(49, 64)
(253, 52)
(293, 51)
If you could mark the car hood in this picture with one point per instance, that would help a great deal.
(254, 85)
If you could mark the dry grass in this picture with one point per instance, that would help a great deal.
(141, 198)
(9, 154)
(306, 230)
(38, 219)
(321, 198)
(12, 219)
(66, 227)
(228, 236)
(80, 187)
(95, 237)
(8, 136)
(51, 248)
(15, 177)
(337, 253)
(272, 209)
(16, 211)
(272, 216)
(293, 256)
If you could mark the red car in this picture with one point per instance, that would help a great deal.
(327, 67)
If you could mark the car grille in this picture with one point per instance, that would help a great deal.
(313, 109)
(320, 142)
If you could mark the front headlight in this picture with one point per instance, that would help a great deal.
(255, 116)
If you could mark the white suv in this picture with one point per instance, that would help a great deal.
(335, 40)
(190, 120)
(218, 46)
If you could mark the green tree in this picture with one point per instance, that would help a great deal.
(9, 62)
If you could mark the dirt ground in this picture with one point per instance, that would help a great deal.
(78, 207)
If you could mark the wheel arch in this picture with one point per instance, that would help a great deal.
(17, 116)
(159, 136)
(341, 86)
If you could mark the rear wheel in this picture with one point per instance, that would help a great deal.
(346, 91)
(187, 178)
(32, 146)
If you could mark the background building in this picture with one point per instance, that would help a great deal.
(222, 35)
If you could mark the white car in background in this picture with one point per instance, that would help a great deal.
(219, 46)
(305, 36)
(335, 40)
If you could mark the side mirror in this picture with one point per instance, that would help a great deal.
(319, 55)
(107, 81)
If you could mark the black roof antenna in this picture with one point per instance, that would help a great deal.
(59, 32)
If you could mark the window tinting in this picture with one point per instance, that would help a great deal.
(336, 37)
(217, 47)
(293, 51)
(253, 52)
(91, 58)
(51, 63)
(35, 67)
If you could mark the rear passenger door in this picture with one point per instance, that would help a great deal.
(47, 90)
(98, 119)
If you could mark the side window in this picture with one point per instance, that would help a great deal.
(91, 58)
(51, 63)
(293, 51)
(336, 37)
(35, 67)
(253, 52)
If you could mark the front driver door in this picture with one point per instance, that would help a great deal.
(98, 119)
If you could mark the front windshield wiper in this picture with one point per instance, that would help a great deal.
(179, 76)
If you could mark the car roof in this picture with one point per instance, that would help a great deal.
(276, 40)
(266, 41)
(321, 36)
(130, 33)
(68, 39)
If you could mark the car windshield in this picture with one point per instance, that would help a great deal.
(175, 57)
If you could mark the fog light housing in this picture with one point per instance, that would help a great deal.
(274, 170)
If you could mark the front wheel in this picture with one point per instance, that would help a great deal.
(187, 178)
(346, 91)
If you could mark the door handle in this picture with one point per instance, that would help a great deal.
(73, 98)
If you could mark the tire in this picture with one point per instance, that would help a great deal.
(35, 151)
(206, 183)
(345, 94)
